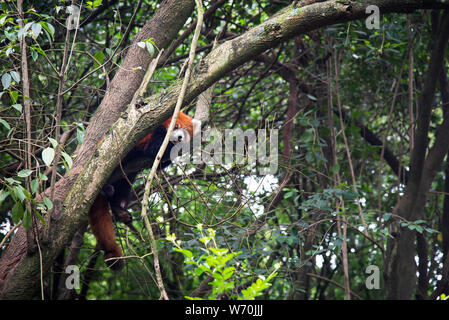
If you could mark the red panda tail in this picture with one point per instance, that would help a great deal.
(100, 221)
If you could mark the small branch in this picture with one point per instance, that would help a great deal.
(348, 151)
(146, 79)
(10, 232)
(164, 147)
(333, 282)
(189, 30)
(108, 60)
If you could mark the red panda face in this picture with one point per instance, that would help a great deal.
(179, 135)
(185, 129)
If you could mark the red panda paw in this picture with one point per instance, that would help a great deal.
(111, 261)
(122, 215)
(108, 190)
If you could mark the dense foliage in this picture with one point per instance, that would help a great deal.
(227, 231)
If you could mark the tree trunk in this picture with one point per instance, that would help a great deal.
(400, 269)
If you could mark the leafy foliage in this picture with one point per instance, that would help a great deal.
(217, 263)
(334, 193)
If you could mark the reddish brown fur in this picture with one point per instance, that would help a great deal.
(100, 218)
(100, 221)
(183, 120)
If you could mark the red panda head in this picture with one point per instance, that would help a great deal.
(185, 128)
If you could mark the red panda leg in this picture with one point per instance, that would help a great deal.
(100, 221)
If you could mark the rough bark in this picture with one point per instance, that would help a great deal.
(75, 193)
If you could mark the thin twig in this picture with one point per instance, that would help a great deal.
(348, 151)
(333, 282)
(10, 232)
(110, 57)
(164, 147)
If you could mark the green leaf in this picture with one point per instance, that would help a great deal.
(12, 181)
(53, 142)
(289, 194)
(49, 28)
(197, 298)
(22, 32)
(3, 195)
(150, 48)
(48, 155)
(5, 124)
(40, 218)
(34, 55)
(99, 57)
(2, 19)
(308, 135)
(419, 229)
(17, 212)
(26, 219)
(18, 107)
(24, 173)
(34, 185)
(228, 272)
(68, 159)
(313, 98)
(12, 36)
(19, 193)
(335, 169)
(36, 28)
(14, 95)
(15, 75)
(43, 177)
(109, 51)
(48, 203)
(187, 253)
(6, 80)
(79, 136)
(198, 271)
(39, 50)
(350, 195)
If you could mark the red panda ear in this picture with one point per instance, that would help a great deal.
(166, 123)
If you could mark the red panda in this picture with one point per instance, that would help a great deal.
(118, 195)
